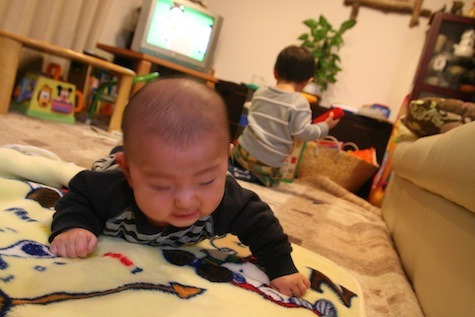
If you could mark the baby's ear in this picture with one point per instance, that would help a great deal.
(231, 147)
(122, 161)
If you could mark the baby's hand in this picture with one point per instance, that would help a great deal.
(74, 243)
(331, 122)
(291, 285)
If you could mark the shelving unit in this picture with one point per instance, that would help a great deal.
(11, 45)
(441, 72)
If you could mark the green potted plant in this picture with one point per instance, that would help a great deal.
(324, 42)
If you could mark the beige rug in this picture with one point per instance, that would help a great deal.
(77, 143)
(329, 220)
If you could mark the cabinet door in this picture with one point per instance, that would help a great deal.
(446, 68)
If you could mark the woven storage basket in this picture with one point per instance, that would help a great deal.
(347, 170)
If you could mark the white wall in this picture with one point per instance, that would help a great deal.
(379, 57)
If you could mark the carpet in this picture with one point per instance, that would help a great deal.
(323, 217)
(348, 230)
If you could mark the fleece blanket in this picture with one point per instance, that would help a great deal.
(217, 277)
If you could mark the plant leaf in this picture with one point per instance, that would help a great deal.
(324, 43)
(319, 35)
(336, 57)
(317, 52)
(311, 23)
(308, 44)
(348, 24)
(324, 22)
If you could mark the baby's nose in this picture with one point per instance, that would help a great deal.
(184, 198)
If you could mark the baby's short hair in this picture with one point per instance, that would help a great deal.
(176, 110)
(295, 64)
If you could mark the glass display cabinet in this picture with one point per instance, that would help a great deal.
(446, 67)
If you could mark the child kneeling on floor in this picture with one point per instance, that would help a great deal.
(172, 186)
(278, 115)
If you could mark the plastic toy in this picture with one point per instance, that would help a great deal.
(45, 98)
(465, 47)
(100, 96)
(337, 114)
(291, 163)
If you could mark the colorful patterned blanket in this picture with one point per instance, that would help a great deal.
(214, 278)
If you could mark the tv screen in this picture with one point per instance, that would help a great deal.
(178, 31)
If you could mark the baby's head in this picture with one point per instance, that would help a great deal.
(176, 146)
(294, 64)
(176, 110)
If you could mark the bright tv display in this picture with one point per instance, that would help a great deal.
(178, 31)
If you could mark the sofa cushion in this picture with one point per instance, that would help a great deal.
(441, 163)
(435, 240)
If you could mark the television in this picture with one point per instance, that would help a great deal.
(179, 31)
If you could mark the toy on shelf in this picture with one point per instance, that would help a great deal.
(110, 98)
(38, 95)
(465, 47)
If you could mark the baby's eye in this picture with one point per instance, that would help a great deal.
(207, 182)
(161, 188)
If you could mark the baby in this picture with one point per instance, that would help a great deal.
(172, 186)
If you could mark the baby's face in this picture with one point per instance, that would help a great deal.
(178, 186)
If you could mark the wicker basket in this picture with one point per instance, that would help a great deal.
(347, 170)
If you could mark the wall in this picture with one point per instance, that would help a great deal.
(379, 57)
(120, 24)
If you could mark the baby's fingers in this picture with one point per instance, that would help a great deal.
(84, 244)
(81, 247)
(92, 245)
(53, 248)
(59, 246)
(74, 243)
(299, 289)
(60, 249)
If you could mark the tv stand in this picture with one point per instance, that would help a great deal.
(142, 64)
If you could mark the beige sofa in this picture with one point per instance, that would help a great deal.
(429, 208)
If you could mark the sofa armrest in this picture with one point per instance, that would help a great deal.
(442, 164)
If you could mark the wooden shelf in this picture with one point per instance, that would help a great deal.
(10, 48)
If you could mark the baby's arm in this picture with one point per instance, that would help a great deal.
(291, 285)
(74, 243)
(244, 214)
(80, 214)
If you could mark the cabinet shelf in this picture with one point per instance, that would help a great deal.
(441, 72)
(443, 92)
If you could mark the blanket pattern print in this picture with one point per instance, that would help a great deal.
(217, 277)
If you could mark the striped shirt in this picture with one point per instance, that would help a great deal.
(277, 117)
(124, 226)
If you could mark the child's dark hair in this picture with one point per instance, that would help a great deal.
(295, 64)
